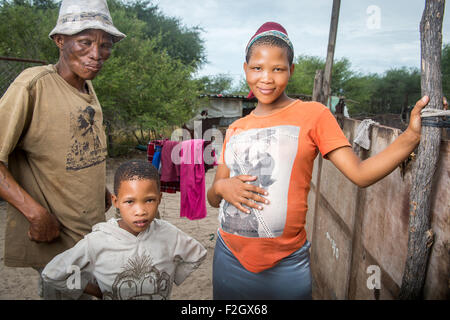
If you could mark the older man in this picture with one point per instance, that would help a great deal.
(53, 141)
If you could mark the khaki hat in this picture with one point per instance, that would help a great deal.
(78, 15)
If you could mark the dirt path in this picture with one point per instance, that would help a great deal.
(21, 283)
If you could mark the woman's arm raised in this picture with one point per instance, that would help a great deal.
(367, 172)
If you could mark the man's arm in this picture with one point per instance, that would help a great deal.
(44, 227)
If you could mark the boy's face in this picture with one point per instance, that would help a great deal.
(138, 202)
(268, 72)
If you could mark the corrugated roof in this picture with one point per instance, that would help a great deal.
(224, 96)
(242, 97)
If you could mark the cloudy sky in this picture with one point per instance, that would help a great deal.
(374, 35)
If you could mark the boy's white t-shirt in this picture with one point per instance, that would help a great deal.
(126, 266)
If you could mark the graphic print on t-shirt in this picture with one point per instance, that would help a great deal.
(140, 280)
(269, 154)
(86, 148)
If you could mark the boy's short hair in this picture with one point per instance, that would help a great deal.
(273, 42)
(135, 170)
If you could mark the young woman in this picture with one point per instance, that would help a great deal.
(263, 181)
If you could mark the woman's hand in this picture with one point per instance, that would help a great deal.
(415, 122)
(238, 192)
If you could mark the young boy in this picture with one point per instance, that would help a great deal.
(134, 257)
(264, 179)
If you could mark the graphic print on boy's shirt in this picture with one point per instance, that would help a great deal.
(268, 154)
(140, 280)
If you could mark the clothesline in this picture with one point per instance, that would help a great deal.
(437, 122)
(430, 112)
(185, 175)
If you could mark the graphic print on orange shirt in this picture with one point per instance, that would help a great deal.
(268, 154)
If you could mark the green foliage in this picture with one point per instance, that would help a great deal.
(179, 41)
(399, 89)
(445, 67)
(25, 35)
(360, 89)
(152, 92)
(141, 86)
(302, 80)
(242, 87)
(146, 85)
(391, 92)
(220, 83)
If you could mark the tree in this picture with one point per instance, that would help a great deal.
(302, 81)
(360, 90)
(180, 42)
(398, 89)
(220, 83)
(45, 4)
(420, 235)
(20, 37)
(142, 86)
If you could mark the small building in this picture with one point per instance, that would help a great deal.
(220, 110)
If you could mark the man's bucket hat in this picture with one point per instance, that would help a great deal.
(78, 15)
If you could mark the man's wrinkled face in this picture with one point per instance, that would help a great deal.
(84, 53)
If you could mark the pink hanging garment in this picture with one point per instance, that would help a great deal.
(192, 180)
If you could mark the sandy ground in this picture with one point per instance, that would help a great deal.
(21, 283)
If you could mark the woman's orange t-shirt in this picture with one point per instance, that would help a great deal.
(279, 149)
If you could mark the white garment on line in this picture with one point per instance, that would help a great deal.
(362, 137)
(127, 266)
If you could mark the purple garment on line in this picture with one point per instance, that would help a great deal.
(170, 171)
(192, 180)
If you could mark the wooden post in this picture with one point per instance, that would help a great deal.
(420, 232)
(321, 92)
(318, 87)
(330, 51)
(318, 95)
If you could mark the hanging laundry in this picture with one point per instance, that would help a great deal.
(156, 161)
(159, 152)
(170, 187)
(170, 170)
(150, 151)
(192, 180)
(362, 137)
